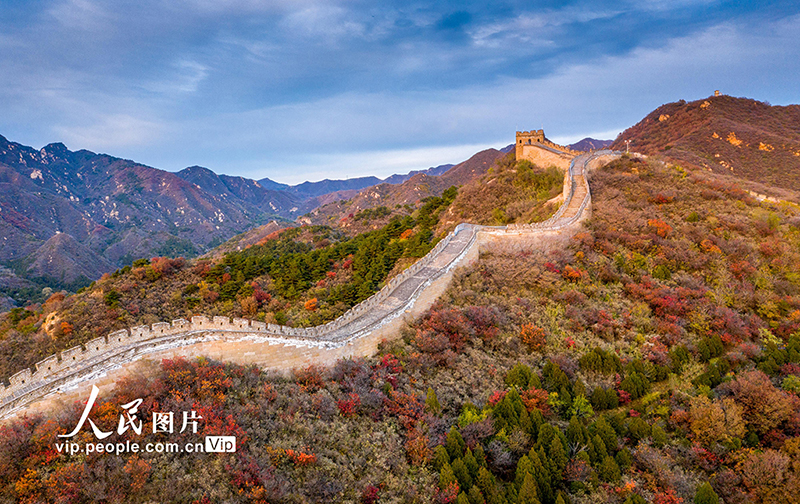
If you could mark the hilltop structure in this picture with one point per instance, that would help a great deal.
(536, 148)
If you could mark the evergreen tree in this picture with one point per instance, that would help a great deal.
(476, 496)
(462, 498)
(480, 455)
(559, 458)
(524, 468)
(462, 474)
(635, 499)
(440, 457)
(597, 450)
(446, 477)
(608, 470)
(603, 429)
(471, 464)
(432, 403)
(455, 444)
(706, 495)
(528, 493)
(577, 435)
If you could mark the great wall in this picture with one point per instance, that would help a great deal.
(65, 377)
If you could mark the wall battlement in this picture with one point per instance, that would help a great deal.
(528, 140)
(126, 345)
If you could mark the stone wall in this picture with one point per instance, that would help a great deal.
(405, 296)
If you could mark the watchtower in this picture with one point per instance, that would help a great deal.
(532, 137)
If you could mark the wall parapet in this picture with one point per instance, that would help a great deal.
(26, 385)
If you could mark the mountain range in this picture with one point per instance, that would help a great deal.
(67, 217)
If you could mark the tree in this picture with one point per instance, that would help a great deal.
(528, 493)
(608, 470)
(706, 495)
(455, 444)
(432, 403)
(719, 421)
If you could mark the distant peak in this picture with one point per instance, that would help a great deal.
(56, 148)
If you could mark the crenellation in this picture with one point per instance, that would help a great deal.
(258, 326)
(161, 329)
(120, 337)
(181, 324)
(95, 346)
(241, 323)
(48, 365)
(20, 379)
(221, 321)
(139, 333)
(71, 356)
(200, 322)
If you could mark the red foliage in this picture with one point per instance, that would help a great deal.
(667, 497)
(496, 397)
(536, 399)
(349, 407)
(309, 378)
(370, 494)
(661, 228)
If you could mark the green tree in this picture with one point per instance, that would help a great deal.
(528, 492)
(706, 495)
(432, 403)
(608, 470)
(446, 477)
(455, 444)
(462, 474)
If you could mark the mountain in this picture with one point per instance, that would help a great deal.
(737, 136)
(410, 192)
(588, 144)
(327, 186)
(67, 217)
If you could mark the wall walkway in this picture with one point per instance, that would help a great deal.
(356, 333)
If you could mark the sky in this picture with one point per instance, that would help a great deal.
(298, 90)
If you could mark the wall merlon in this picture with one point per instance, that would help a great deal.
(221, 321)
(141, 333)
(20, 379)
(118, 337)
(161, 329)
(48, 365)
(241, 323)
(181, 324)
(258, 326)
(200, 322)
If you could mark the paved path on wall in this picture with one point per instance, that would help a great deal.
(382, 313)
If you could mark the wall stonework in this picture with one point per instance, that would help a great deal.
(356, 333)
(536, 148)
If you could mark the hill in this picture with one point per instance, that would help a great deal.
(589, 144)
(746, 138)
(373, 206)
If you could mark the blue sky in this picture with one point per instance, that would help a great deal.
(301, 90)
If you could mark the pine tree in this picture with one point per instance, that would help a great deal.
(608, 470)
(560, 499)
(576, 432)
(528, 492)
(559, 458)
(706, 495)
(432, 405)
(471, 463)
(597, 450)
(462, 474)
(440, 457)
(462, 498)
(476, 496)
(446, 477)
(455, 444)
(480, 455)
(524, 468)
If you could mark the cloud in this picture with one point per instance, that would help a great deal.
(106, 133)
